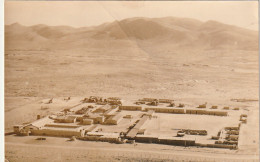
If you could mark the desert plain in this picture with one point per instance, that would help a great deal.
(187, 60)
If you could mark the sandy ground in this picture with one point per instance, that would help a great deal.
(176, 74)
(166, 124)
(56, 149)
(188, 76)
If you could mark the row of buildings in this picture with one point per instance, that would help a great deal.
(82, 121)
(175, 110)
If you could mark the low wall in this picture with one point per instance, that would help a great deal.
(216, 146)
(178, 111)
(189, 111)
(177, 142)
(206, 112)
(146, 139)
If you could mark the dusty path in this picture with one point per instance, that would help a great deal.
(21, 150)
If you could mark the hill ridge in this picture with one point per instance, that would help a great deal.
(181, 32)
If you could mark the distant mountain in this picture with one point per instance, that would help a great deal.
(179, 32)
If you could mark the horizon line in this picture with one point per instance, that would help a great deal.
(141, 17)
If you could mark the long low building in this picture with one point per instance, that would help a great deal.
(166, 110)
(148, 99)
(56, 130)
(78, 107)
(102, 109)
(132, 108)
(102, 136)
(58, 125)
(114, 120)
(176, 110)
(97, 119)
(187, 111)
(165, 100)
(60, 132)
(66, 119)
(38, 124)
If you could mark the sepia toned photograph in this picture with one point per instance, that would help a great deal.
(131, 81)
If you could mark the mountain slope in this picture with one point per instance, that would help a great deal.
(180, 32)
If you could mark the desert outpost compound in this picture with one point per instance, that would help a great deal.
(147, 120)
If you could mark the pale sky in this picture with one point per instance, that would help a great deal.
(90, 13)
